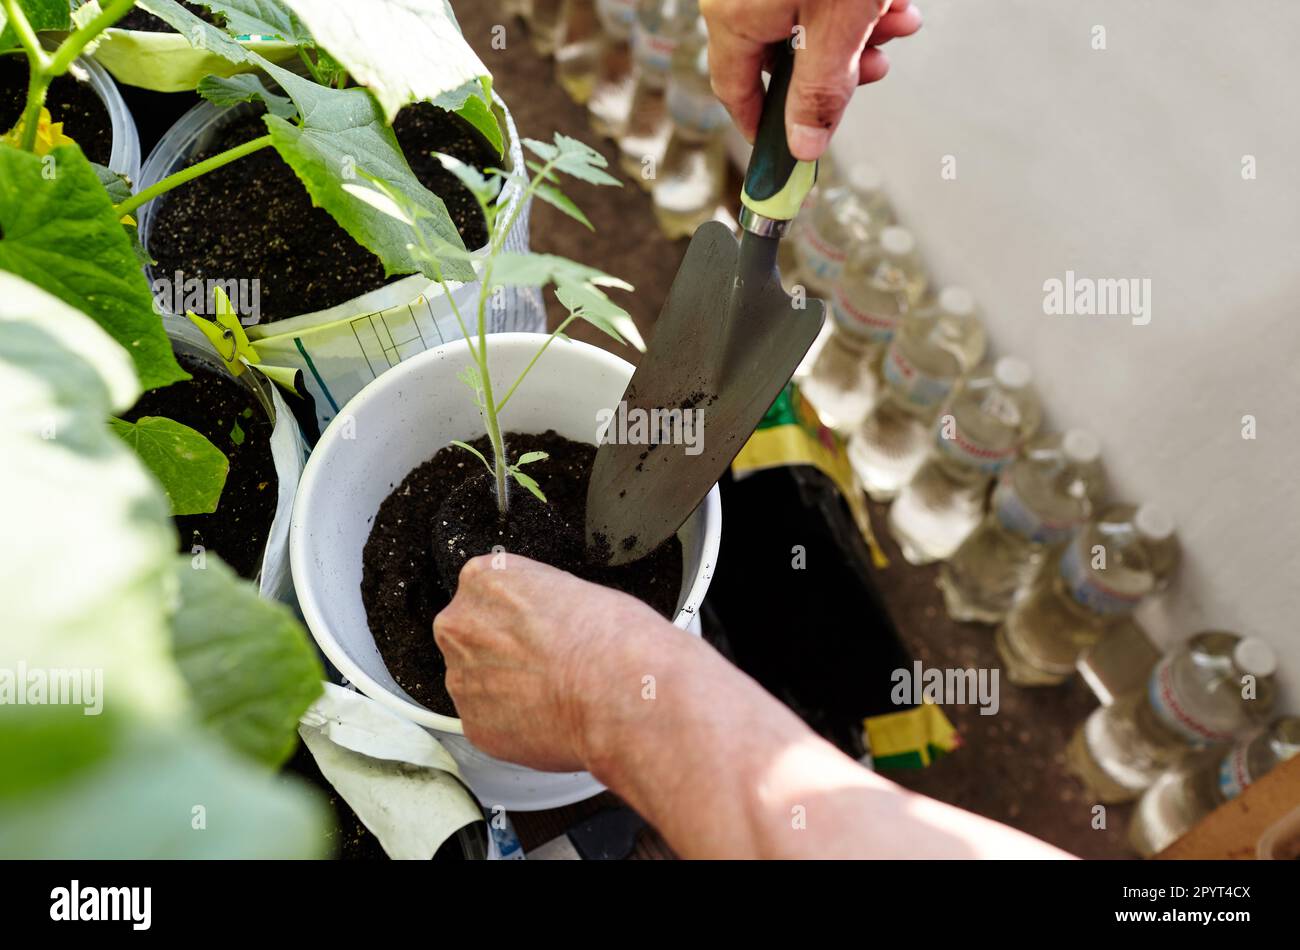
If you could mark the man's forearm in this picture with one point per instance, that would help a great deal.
(722, 769)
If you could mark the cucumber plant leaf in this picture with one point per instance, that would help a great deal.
(41, 14)
(198, 32)
(250, 669)
(403, 51)
(143, 756)
(343, 137)
(191, 470)
(245, 87)
(58, 229)
(269, 19)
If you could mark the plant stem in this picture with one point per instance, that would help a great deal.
(38, 84)
(71, 48)
(311, 67)
(194, 171)
(36, 56)
(536, 356)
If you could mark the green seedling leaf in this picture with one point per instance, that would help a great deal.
(558, 199)
(574, 158)
(589, 304)
(237, 433)
(244, 87)
(476, 453)
(528, 482)
(403, 51)
(61, 233)
(543, 150)
(248, 662)
(41, 14)
(528, 458)
(538, 168)
(197, 32)
(483, 187)
(343, 136)
(191, 469)
(270, 19)
(522, 269)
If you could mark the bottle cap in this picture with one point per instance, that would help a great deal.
(1153, 522)
(1013, 372)
(865, 178)
(1081, 446)
(897, 242)
(957, 301)
(1253, 655)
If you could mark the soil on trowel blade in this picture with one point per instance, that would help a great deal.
(234, 421)
(70, 101)
(449, 499)
(255, 219)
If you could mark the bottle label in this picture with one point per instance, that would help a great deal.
(695, 112)
(654, 52)
(1175, 712)
(1018, 518)
(911, 384)
(1088, 590)
(872, 327)
(964, 450)
(1234, 772)
(616, 16)
(819, 257)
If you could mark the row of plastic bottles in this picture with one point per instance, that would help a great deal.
(932, 427)
(641, 68)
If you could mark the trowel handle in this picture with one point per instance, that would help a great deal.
(775, 184)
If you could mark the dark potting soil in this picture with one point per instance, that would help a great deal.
(141, 19)
(402, 582)
(70, 101)
(253, 218)
(234, 421)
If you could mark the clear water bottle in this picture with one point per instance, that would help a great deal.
(578, 48)
(690, 182)
(849, 214)
(883, 281)
(1117, 559)
(611, 94)
(1054, 486)
(787, 256)
(934, 347)
(1213, 690)
(987, 418)
(660, 25)
(545, 20)
(1185, 794)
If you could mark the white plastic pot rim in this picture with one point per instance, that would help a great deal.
(124, 157)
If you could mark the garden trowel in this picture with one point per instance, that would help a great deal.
(726, 342)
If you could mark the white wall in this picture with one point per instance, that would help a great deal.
(1127, 162)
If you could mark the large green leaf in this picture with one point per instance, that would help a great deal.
(59, 231)
(41, 14)
(401, 50)
(343, 139)
(87, 588)
(248, 662)
(199, 33)
(191, 469)
(244, 87)
(270, 19)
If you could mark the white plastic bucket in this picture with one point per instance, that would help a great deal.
(394, 425)
(382, 327)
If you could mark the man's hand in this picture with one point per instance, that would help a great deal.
(538, 660)
(841, 52)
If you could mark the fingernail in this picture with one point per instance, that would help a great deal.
(807, 142)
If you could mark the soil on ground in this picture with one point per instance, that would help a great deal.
(70, 101)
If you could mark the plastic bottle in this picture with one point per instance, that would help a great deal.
(660, 25)
(611, 94)
(1111, 564)
(852, 214)
(691, 179)
(545, 20)
(883, 281)
(934, 347)
(1041, 498)
(986, 419)
(787, 257)
(1214, 689)
(578, 49)
(1183, 795)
